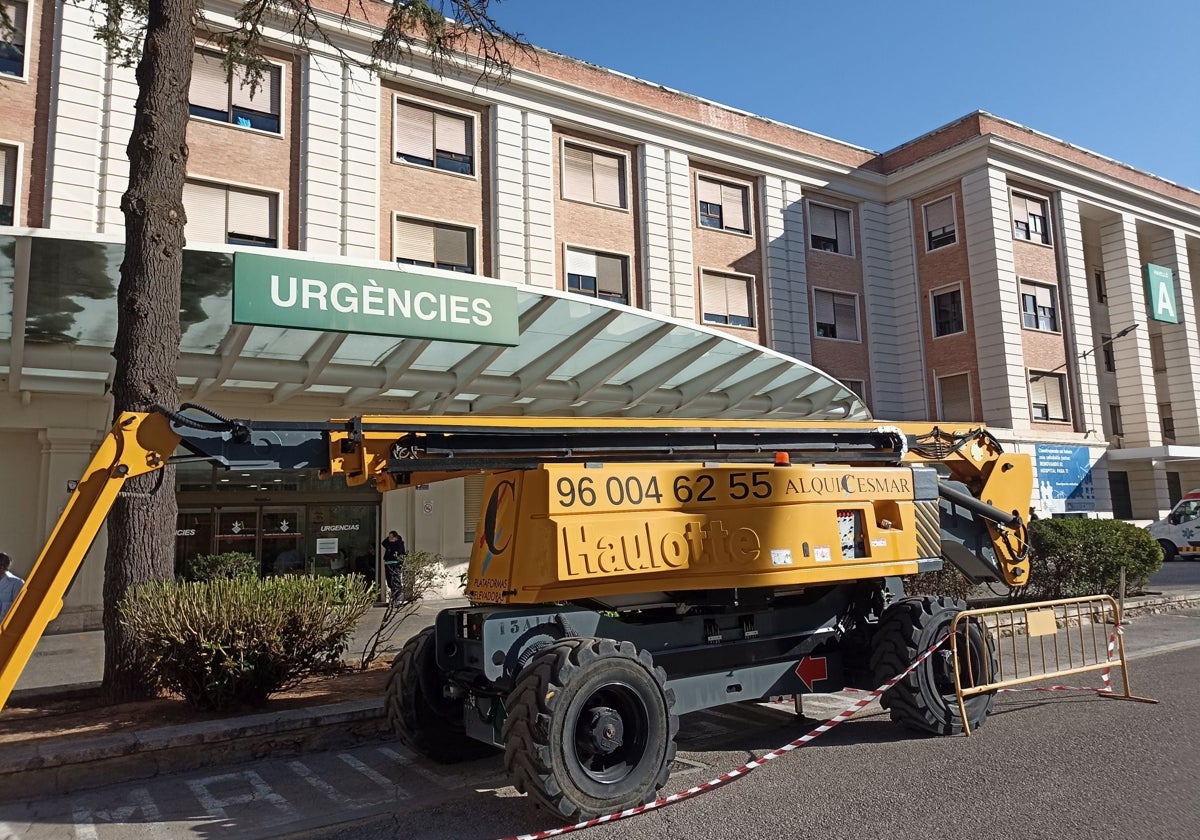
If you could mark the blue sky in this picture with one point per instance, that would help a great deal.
(1117, 77)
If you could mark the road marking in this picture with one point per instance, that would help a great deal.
(379, 779)
(333, 794)
(85, 818)
(405, 759)
(260, 791)
(1171, 648)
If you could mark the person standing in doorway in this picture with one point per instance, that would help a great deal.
(10, 585)
(393, 566)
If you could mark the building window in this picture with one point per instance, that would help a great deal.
(947, 312)
(12, 44)
(940, 227)
(434, 246)
(598, 275)
(836, 315)
(727, 299)
(437, 139)
(215, 95)
(954, 397)
(723, 206)
(858, 386)
(1029, 218)
(1114, 420)
(1106, 353)
(593, 176)
(829, 228)
(1101, 286)
(1047, 399)
(1039, 310)
(8, 185)
(229, 214)
(1168, 421)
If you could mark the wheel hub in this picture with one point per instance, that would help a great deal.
(603, 731)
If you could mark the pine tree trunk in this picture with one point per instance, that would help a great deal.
(141, 527)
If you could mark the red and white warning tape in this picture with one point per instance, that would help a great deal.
(840, 717)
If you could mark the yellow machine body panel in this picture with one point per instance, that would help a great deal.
(565, 531)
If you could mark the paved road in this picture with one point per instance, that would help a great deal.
(1179, 574)
(1045, 765)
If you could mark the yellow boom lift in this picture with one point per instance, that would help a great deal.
(627, 571)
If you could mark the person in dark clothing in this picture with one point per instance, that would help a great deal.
(393, 566)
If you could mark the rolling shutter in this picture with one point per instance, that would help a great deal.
(205, 209)
(581, 262)
(939, 215)
(209, 88)
(8, 176)
(737, 293)
(610, 276)
(822, 221)
(17, 14)
(606, 170)
(823, 305)
(577, 174)
(450, 133)
(251, 214)
(265, 97)
(955, 394)
(733, 207)
(708, 191)
(414, 131)
(453, 245)
(846, 311)
(415, 241)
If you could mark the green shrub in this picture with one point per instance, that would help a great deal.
(948, 581)
(230, 564)
(1077, 557)
(233, 642)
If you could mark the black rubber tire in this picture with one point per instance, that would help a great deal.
(924, 701)
(419, 712)
(1170, 552)
(546, 749)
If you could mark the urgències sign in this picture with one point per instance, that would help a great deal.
(280, 292)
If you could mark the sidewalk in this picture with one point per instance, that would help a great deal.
(75, 660)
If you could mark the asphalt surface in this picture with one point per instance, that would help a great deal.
(1045, 765)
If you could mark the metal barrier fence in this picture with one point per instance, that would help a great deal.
(1056, 638)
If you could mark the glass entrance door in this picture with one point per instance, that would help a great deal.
(237, 530)
(283, 540)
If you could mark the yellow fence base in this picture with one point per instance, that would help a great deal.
(1041, 641)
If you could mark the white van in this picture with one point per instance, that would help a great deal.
(1179, 533)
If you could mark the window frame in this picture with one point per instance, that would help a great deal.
(934, 294)
(722, 182)
(435, 108)
(1116, 424)
(280, 66)
(1043, 237)
(23, 76)
(929, 234)
(1064, 396)
(473, 243)
(17, 150)
(623, 173)
(1035, 314)
(816, 290)
(808, 216)
(1108, 358)
(627, 279)
(751, 297)
(1100, 285)
(244, 241)
(941, 408)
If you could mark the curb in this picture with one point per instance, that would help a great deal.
(66, 766)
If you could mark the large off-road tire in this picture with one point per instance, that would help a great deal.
(589, 728)
(924, 700)
(418, 710)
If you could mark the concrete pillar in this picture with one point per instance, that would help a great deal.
(1180, 342)
(670, 278)
(788, 322)
(1077, 294)
(524, 197)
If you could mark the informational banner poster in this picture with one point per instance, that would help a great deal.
(1064, 476)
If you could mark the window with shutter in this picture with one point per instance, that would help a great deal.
(8, 184)
(1039, 307)
(437, 139)
(954, 397)
(829, 228)
(12, 44)
(593, 176)
(1029, 218)
(722, 206)
(1047, 398)
(940, 223)
(947, 312)
(836, 315)
(434, 246)
(598, 275)
(214, 96)
(727, 299)
(230, 215)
